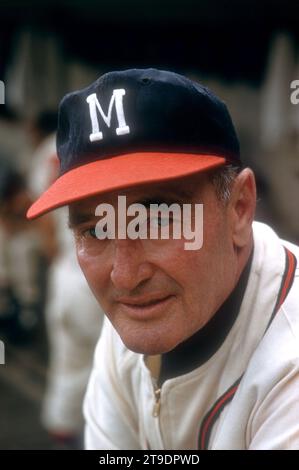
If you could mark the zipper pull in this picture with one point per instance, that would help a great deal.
(157, 405)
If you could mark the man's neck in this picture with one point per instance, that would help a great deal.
(200, 347)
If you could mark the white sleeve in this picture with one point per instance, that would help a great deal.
(111, 420)
(275, 425)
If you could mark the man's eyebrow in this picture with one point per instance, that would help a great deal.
(147, 202)
(179, 198)
(79, 218)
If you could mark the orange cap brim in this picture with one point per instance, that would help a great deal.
(115, 173)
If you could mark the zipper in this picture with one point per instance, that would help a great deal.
(157, 404)
(153, 364)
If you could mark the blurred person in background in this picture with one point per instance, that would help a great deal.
(73, 317)
(19, 256)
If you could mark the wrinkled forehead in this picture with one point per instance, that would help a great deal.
(182, 190)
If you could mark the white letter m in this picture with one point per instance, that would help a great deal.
(117, 99)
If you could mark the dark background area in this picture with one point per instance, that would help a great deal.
(227, 38)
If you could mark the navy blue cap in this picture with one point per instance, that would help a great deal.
(124, 128)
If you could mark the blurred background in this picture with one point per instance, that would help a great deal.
(247, 52)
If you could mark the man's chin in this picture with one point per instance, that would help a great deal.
(148, 338)
(148, 347)
(147, 351)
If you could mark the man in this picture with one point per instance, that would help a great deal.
(200, 346)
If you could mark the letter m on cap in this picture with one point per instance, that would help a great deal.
(94, 105)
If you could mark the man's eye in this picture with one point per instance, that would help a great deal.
(90, 232)
(160, 221)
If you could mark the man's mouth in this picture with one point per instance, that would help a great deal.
(145, 306)
(144, 301)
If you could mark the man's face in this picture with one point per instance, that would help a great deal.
(155, 292)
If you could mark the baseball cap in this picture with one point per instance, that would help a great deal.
(136, 127)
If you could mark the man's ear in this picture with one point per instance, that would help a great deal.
(242, 207)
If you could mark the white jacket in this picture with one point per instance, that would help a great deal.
(246, 396)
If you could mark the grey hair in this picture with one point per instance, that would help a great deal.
(222, 179)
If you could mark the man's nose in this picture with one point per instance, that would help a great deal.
(130, 266)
